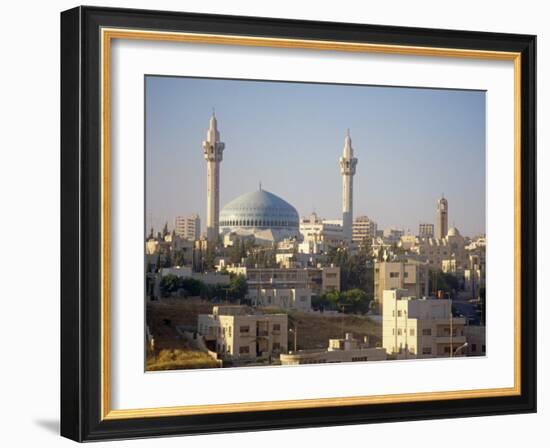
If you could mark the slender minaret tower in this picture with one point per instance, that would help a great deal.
(347, 169)
(442, 218)
(213, 154)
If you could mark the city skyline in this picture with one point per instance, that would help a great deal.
(412, 144)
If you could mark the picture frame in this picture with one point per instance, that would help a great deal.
(86, 206)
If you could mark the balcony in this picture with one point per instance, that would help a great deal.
(456, 340)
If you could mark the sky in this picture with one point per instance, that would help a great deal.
(413, 145)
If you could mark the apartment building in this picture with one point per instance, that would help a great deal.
(410, 275)
(421, 328)
(238, 333)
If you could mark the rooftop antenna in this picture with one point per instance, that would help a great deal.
(213, 111)
(260, 185)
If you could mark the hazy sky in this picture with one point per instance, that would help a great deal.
(412, 145)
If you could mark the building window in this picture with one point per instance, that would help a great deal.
(399, 332)
(426, 350)
(276, 327)
(411, 331)
(427, 332)
(276, 346)
(394, 274)
(399, 313)
(245, 329)
(244, 350)
(474, 347)
(406, 275)
(483, 348)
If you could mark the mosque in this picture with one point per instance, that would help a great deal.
(260, 213)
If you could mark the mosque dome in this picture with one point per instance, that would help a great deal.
(260, 211)
(453, 231)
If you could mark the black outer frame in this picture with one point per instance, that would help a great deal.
(80, 224)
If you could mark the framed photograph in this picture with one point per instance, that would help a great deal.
(273, 223)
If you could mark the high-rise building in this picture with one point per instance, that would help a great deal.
(188, 227)
(442, 218)
(426, 230)
(213, 154)
(364, 229)
(347, 169)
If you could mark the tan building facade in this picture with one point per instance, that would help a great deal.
(364, 229)
(318, 280)
(411, 276)
(188, 227)
(421, 328)
(235, 333)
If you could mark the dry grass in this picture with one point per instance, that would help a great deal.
(180, 359)
(314, 330)
(173, 352)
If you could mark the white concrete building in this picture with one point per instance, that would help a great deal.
(421, 328)
(319, 234)
(348, 165)
(238, 334)
(364, 229)
(285, 298)
(213, 154)
(347, 349)
(318, 280)
(188, 227)
(475, 335)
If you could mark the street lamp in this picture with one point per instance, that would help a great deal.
(460, 348)
(295, 332)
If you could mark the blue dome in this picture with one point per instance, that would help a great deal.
(259, 210)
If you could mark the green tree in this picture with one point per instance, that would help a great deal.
(169, 284)
(238, 287)
(355, 301)
(192, 286)
(179, 257)
(209, 259)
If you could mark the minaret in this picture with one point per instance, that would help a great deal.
(347, 169)
(442, 218)
(213, 154)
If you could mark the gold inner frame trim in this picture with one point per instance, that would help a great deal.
(107, 35)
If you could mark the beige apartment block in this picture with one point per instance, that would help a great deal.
(237, 333)
(364, 229)
(411, 276)
(321, 233)
(421, 328)
(319, 279)
(188, 227)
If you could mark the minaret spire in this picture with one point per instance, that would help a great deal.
(348, 164)
(442, 218)
(213, 154)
